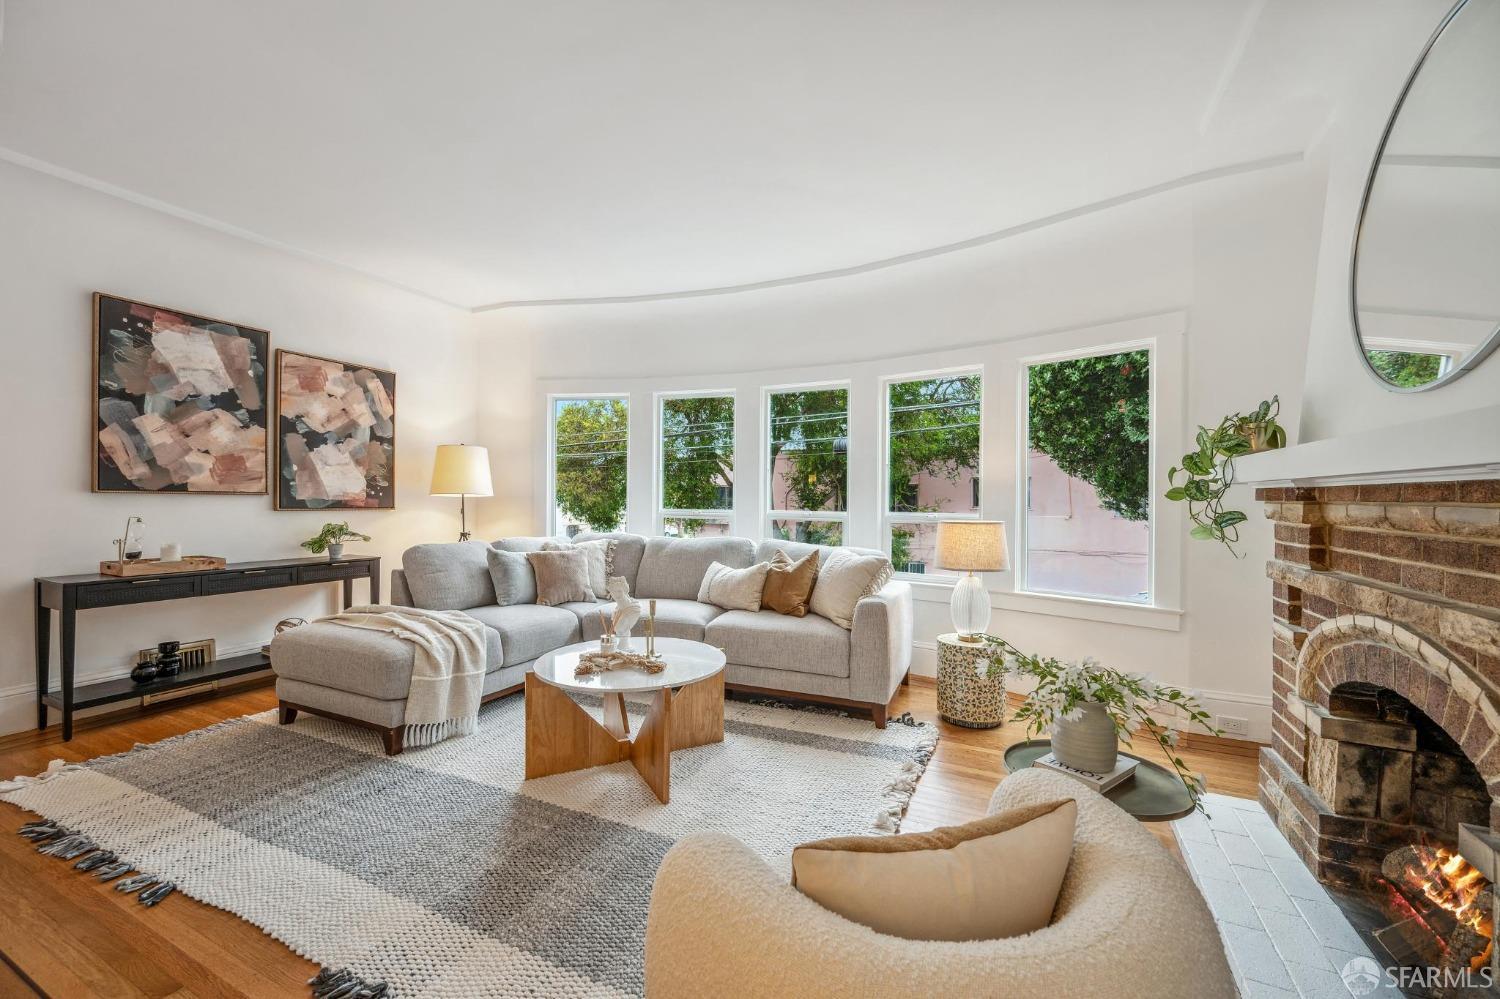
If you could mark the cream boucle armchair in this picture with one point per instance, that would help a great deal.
(1129, 923)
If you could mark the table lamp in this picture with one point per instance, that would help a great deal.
(971, 546)
(462, 471)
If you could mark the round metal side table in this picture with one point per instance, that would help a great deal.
(1152, 794)
(963, 696)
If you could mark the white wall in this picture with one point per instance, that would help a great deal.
(1228, 265)
(58, 244)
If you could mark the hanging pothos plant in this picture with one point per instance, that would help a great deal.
(1207, 473)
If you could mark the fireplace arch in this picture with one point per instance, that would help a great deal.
(1436, 682)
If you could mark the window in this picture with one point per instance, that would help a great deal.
(1088, 477)
(931, 463)
(696, 462)
(809, 464)
(590, 445)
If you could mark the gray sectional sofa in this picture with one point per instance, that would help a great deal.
(362, 677)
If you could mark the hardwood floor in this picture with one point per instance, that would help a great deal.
(63, 934)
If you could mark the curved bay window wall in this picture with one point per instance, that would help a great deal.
(590, 461)
(932, 452)
(1088, 477)
(1059, 443)
(808, 464)
(695, 438)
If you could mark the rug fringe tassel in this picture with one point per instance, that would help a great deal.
(345, 984)
(899, 791)
(54, 769)
(54, 840)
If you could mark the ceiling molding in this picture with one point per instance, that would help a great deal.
(984, 239)
(166, 208)
(1177, 183)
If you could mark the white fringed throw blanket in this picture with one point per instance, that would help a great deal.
(447, 673)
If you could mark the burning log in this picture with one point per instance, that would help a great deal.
(1449, 898)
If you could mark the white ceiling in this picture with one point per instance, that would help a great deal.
(484, 152)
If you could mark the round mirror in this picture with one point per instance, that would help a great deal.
(1426, 278)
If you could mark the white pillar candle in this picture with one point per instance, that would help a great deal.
(171, 551)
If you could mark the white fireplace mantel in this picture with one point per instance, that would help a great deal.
(1459, 446)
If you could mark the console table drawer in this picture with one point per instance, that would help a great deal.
(334, 570)
(138, 591)
(248, 579)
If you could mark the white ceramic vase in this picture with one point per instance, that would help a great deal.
(1087, 743)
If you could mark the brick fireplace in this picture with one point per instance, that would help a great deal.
(1386, 674)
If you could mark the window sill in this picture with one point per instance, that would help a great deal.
(940, 591)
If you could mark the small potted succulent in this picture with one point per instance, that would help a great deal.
(1090, 709)
(331, 540)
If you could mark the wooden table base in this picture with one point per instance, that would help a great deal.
(561, 736)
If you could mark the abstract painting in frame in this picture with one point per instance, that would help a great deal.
(335, 435)
(180, 401)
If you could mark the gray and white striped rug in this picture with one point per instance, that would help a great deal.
(441, 872)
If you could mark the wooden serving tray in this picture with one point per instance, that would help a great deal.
(156, 567)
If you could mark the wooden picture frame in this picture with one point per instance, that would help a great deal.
(326, 438)
(149, 364)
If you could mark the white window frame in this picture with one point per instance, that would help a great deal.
(888, 519)
(1023, 452)
(658, 467)
(553, 398)
(772, 514)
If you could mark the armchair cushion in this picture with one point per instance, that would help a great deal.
(997, 877)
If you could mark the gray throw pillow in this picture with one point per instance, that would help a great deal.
(600, 555)
(562, 577)
(515, 582)
(451, 576)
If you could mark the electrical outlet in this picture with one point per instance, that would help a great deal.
(1231, 725)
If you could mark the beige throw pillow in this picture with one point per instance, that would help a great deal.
(733, 589)
(845, 579)
(998, 877)
(601, 559)
(562, 577)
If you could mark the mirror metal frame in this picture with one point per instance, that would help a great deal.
(1492, 342)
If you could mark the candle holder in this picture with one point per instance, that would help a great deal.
(651, 630)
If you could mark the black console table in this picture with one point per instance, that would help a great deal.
(70, 594)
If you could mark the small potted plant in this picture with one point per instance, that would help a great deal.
(331, 540)
(1090, 709)
(1207, 473)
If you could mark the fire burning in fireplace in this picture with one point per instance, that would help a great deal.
(1447, 905)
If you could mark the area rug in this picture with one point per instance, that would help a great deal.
(441, 872)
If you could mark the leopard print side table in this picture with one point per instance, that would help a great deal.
(963, 697)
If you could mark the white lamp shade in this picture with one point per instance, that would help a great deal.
(461, 470)
(972, 546)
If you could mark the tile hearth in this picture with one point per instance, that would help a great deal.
(1285, 935)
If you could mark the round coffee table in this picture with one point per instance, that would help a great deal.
(687, 709)
(1152, 794)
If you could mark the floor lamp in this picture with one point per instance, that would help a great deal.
(462, 471)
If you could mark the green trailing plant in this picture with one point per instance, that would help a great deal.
(1133, 702)
(1204, 478)
(332, 534)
